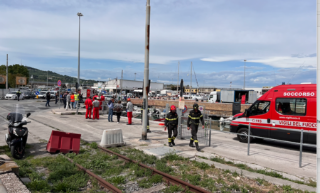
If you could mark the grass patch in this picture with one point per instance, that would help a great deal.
(93, 145)
(148, 182)
(264, 172)
(62, 176)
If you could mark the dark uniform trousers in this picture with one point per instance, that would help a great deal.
(194, 119)
(173, 129)
(171, 122)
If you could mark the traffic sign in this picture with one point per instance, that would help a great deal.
(59, 83)
(185, 109)
(200, 108)
(37, 93)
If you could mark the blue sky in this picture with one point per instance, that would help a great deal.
(277, 38)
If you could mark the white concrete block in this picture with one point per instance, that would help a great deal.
(112, 137)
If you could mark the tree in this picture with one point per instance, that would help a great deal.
(14, 71)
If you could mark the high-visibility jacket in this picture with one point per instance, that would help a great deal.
(76, 97)
(171, 119)
(72, 98)
(194, 118)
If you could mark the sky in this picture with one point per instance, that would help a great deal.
(276, 38)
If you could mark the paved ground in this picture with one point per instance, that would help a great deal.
(263, 154)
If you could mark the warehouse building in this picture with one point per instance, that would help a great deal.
(116, 85)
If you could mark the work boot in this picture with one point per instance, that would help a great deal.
(170, 144)
(197, 146)
(148, 131)
(191, 143)
(172, 141)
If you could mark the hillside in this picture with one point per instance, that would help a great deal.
(41, 76)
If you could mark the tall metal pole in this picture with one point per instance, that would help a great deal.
(178, 79)
(135, 76)
(244, 75)
(79, 14)
(146, 74)
(47, 80)
(318, 96)
(190, 80)
(7, 74)
(121, 82)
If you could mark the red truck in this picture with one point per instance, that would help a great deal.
(281, 113)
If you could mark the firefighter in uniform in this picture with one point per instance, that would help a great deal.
(171, 123)
(148, 129)
(194, 119)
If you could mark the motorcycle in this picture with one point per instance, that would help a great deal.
(17, 134)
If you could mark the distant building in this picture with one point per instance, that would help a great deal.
(116, 85)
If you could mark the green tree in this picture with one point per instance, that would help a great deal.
(14, 71)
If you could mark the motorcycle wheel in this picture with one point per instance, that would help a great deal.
(15, 152)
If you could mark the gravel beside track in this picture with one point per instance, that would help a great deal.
(13, 184)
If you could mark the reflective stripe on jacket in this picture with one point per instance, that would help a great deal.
(194, 118)
(171, 119)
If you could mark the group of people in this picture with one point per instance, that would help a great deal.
(194, 119)
(70, 100)
(98, 102)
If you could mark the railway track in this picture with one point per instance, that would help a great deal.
(168, 179)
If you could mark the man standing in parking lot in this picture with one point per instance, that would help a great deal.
(48, 96)
(194, 119)
(18, 94)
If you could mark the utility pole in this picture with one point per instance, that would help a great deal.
(318, 96)
(7, 73)
(190, 80)
(178, 79)
(79, 14)
(47, 80)
(121, 82)
(244, 75)
(146, 74)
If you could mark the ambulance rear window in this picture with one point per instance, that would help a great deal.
(291, 106)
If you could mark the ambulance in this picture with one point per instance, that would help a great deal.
(281, 113)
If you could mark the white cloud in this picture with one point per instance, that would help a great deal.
(288, 62)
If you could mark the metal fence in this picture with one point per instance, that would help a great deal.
(278, 140)
(203, 135)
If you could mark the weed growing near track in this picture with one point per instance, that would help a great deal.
(54, 174)
(264, 172)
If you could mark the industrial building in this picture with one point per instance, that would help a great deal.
(116, 85)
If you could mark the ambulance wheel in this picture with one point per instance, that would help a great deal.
(244, 138)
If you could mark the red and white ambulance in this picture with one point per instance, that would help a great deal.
(281, 113)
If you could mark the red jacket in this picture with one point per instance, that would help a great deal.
(101, 100)
(88, 103)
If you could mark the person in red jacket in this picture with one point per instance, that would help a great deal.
(88, 104)
(101, 101)
(95, 105)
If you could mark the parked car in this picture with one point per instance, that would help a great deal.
(29, 95)
(53, 94)
(13, 95)
(42, 94)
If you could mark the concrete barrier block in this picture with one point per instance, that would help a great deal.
(112, 137)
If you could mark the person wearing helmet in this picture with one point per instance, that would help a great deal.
(194, 119)
(171, 122)
(129, 111)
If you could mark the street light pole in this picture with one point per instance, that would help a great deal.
(146, 74)
(7, 74)
(79, 14)
(318, 96)
(244, 75)
(135, 76)
(47, 80)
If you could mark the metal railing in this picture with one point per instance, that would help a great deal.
(249, 136)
